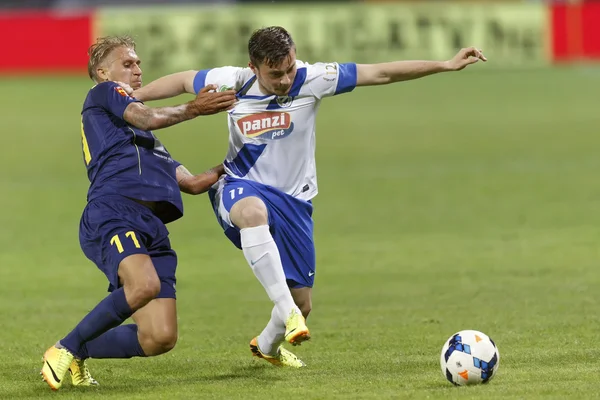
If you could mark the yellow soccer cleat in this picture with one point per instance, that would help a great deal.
(296, 330)
(56, 365)
(284, 358)
(80, 374)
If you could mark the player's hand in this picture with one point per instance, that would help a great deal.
(209, 101)
(128, 89)
(464, 57)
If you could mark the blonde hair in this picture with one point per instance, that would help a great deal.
(102, 48)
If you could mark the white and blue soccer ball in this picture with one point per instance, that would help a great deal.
(469, 358)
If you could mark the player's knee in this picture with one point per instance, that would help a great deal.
(249, 213)
(254, 216)
(139, 279)
(159, 341)
(165, 340)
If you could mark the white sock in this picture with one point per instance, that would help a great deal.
(273, 334)
(261, 253)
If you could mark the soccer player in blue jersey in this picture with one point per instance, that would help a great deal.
(134, 191)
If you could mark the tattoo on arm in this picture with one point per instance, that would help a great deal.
(146, 118)
(218, 170)
(182, 173)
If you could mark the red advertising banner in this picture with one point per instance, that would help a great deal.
(576, 32)
(57, 41)
(43, 41)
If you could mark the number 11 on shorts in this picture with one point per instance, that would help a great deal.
(232, 192)
(116, 241)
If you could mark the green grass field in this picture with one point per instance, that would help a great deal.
(461, 201)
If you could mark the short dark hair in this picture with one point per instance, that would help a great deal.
(270, 45)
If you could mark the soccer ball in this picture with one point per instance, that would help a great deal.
(469, 357)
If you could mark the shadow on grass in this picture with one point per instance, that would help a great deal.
(31, 386)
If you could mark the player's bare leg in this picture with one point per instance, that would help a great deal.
(157, 326)
(251, 216)
(154, 333)
(303, 299)
(139, 279)
(140, 285)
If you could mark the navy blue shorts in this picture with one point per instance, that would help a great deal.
(115, 227)
(290, 222)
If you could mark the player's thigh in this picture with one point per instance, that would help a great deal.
(137, 272)
(243, 202)
(249, 212)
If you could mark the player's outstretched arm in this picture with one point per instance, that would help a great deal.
(205, 103)
(166, 87)
(384, 73)
(198, 184)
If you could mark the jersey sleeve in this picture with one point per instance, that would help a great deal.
(330, 79)
(224, 77)
(112, 98)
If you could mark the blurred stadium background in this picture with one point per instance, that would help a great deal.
(462, 201)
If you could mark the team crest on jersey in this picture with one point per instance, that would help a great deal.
(266, 125)
(284, 101)
(121, 91)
